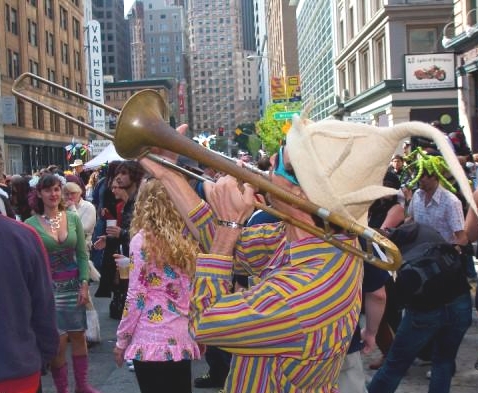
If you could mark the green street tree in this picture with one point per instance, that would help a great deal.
(271, 131)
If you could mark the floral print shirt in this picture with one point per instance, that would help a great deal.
(154, 326)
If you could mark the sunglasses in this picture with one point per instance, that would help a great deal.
(281, 170)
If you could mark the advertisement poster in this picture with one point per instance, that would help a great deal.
(430, 71)
(290, 92)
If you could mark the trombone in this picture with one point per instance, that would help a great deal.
(141, 126)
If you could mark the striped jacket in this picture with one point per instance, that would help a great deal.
(289, 333)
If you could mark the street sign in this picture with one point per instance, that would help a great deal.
(98, 145)
(358, 119)
(285, 115)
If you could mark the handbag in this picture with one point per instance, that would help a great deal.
(93, 326)
(92, 332)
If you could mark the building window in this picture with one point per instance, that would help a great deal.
(380, 59)
(342, 81)
(50, 43)
(81, 130)
(66, 83)
(63, 18)
(351, 23)
(33, 68)
(54, 122)
(364, 70)
(352, 78)
(422, 39)
(38, 121)
(20, 113)
(13, 21)
(77, 60)
(32, 33)
(49, 8)
(363, 13)
(64, 53)
(52, 78)
(76, 28)
(13, 60)
(69, 125)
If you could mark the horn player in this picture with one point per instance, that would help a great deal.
(290, 331)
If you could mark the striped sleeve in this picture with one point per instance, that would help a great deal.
(203, 219)
(256, 246)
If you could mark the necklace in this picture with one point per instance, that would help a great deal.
(54, 222)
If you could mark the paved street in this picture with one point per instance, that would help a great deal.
(105, 376)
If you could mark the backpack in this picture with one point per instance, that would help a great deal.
(428, 262)
(431, 273)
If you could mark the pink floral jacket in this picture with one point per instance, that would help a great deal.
(154, 326)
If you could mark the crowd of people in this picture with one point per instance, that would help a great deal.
(270, 306)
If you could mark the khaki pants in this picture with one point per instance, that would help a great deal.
(352, 377)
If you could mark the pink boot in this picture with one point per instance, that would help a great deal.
(80, 368)
(60, 378)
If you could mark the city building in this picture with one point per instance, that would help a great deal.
(114, 38)
(276, 57)
(223, 83)
(461, 36)
(158, 47)
(46, 39)
(390, 64)
(316, 56)
(136, 32)
(261, 45)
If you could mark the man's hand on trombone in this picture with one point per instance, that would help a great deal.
(232, 203)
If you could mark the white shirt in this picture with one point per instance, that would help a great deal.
(444, 212)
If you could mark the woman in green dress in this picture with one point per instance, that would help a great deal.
(64, 240)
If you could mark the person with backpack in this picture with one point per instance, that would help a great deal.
(436, 296)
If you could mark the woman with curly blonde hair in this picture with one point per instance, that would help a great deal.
(154, 328)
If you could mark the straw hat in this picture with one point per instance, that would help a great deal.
(341, 165)
(77, 163)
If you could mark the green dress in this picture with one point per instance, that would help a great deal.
(69, 267)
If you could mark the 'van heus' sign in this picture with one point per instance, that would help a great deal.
(96, 74)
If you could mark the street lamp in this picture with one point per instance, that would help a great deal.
(283, 73)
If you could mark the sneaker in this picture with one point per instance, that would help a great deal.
(130, 365)
(205, 381)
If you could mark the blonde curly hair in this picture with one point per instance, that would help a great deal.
(164, 242)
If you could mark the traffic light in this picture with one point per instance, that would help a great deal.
(220, 131)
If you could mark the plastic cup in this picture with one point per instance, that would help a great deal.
(111, 223)
(123, 267)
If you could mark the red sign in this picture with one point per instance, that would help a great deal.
(182, 109)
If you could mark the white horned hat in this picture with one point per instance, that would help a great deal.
(341, 165)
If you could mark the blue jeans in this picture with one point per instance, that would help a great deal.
(445, 326)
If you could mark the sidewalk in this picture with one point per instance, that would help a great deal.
(105, 376)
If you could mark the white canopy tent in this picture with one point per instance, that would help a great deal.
(107, 155)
